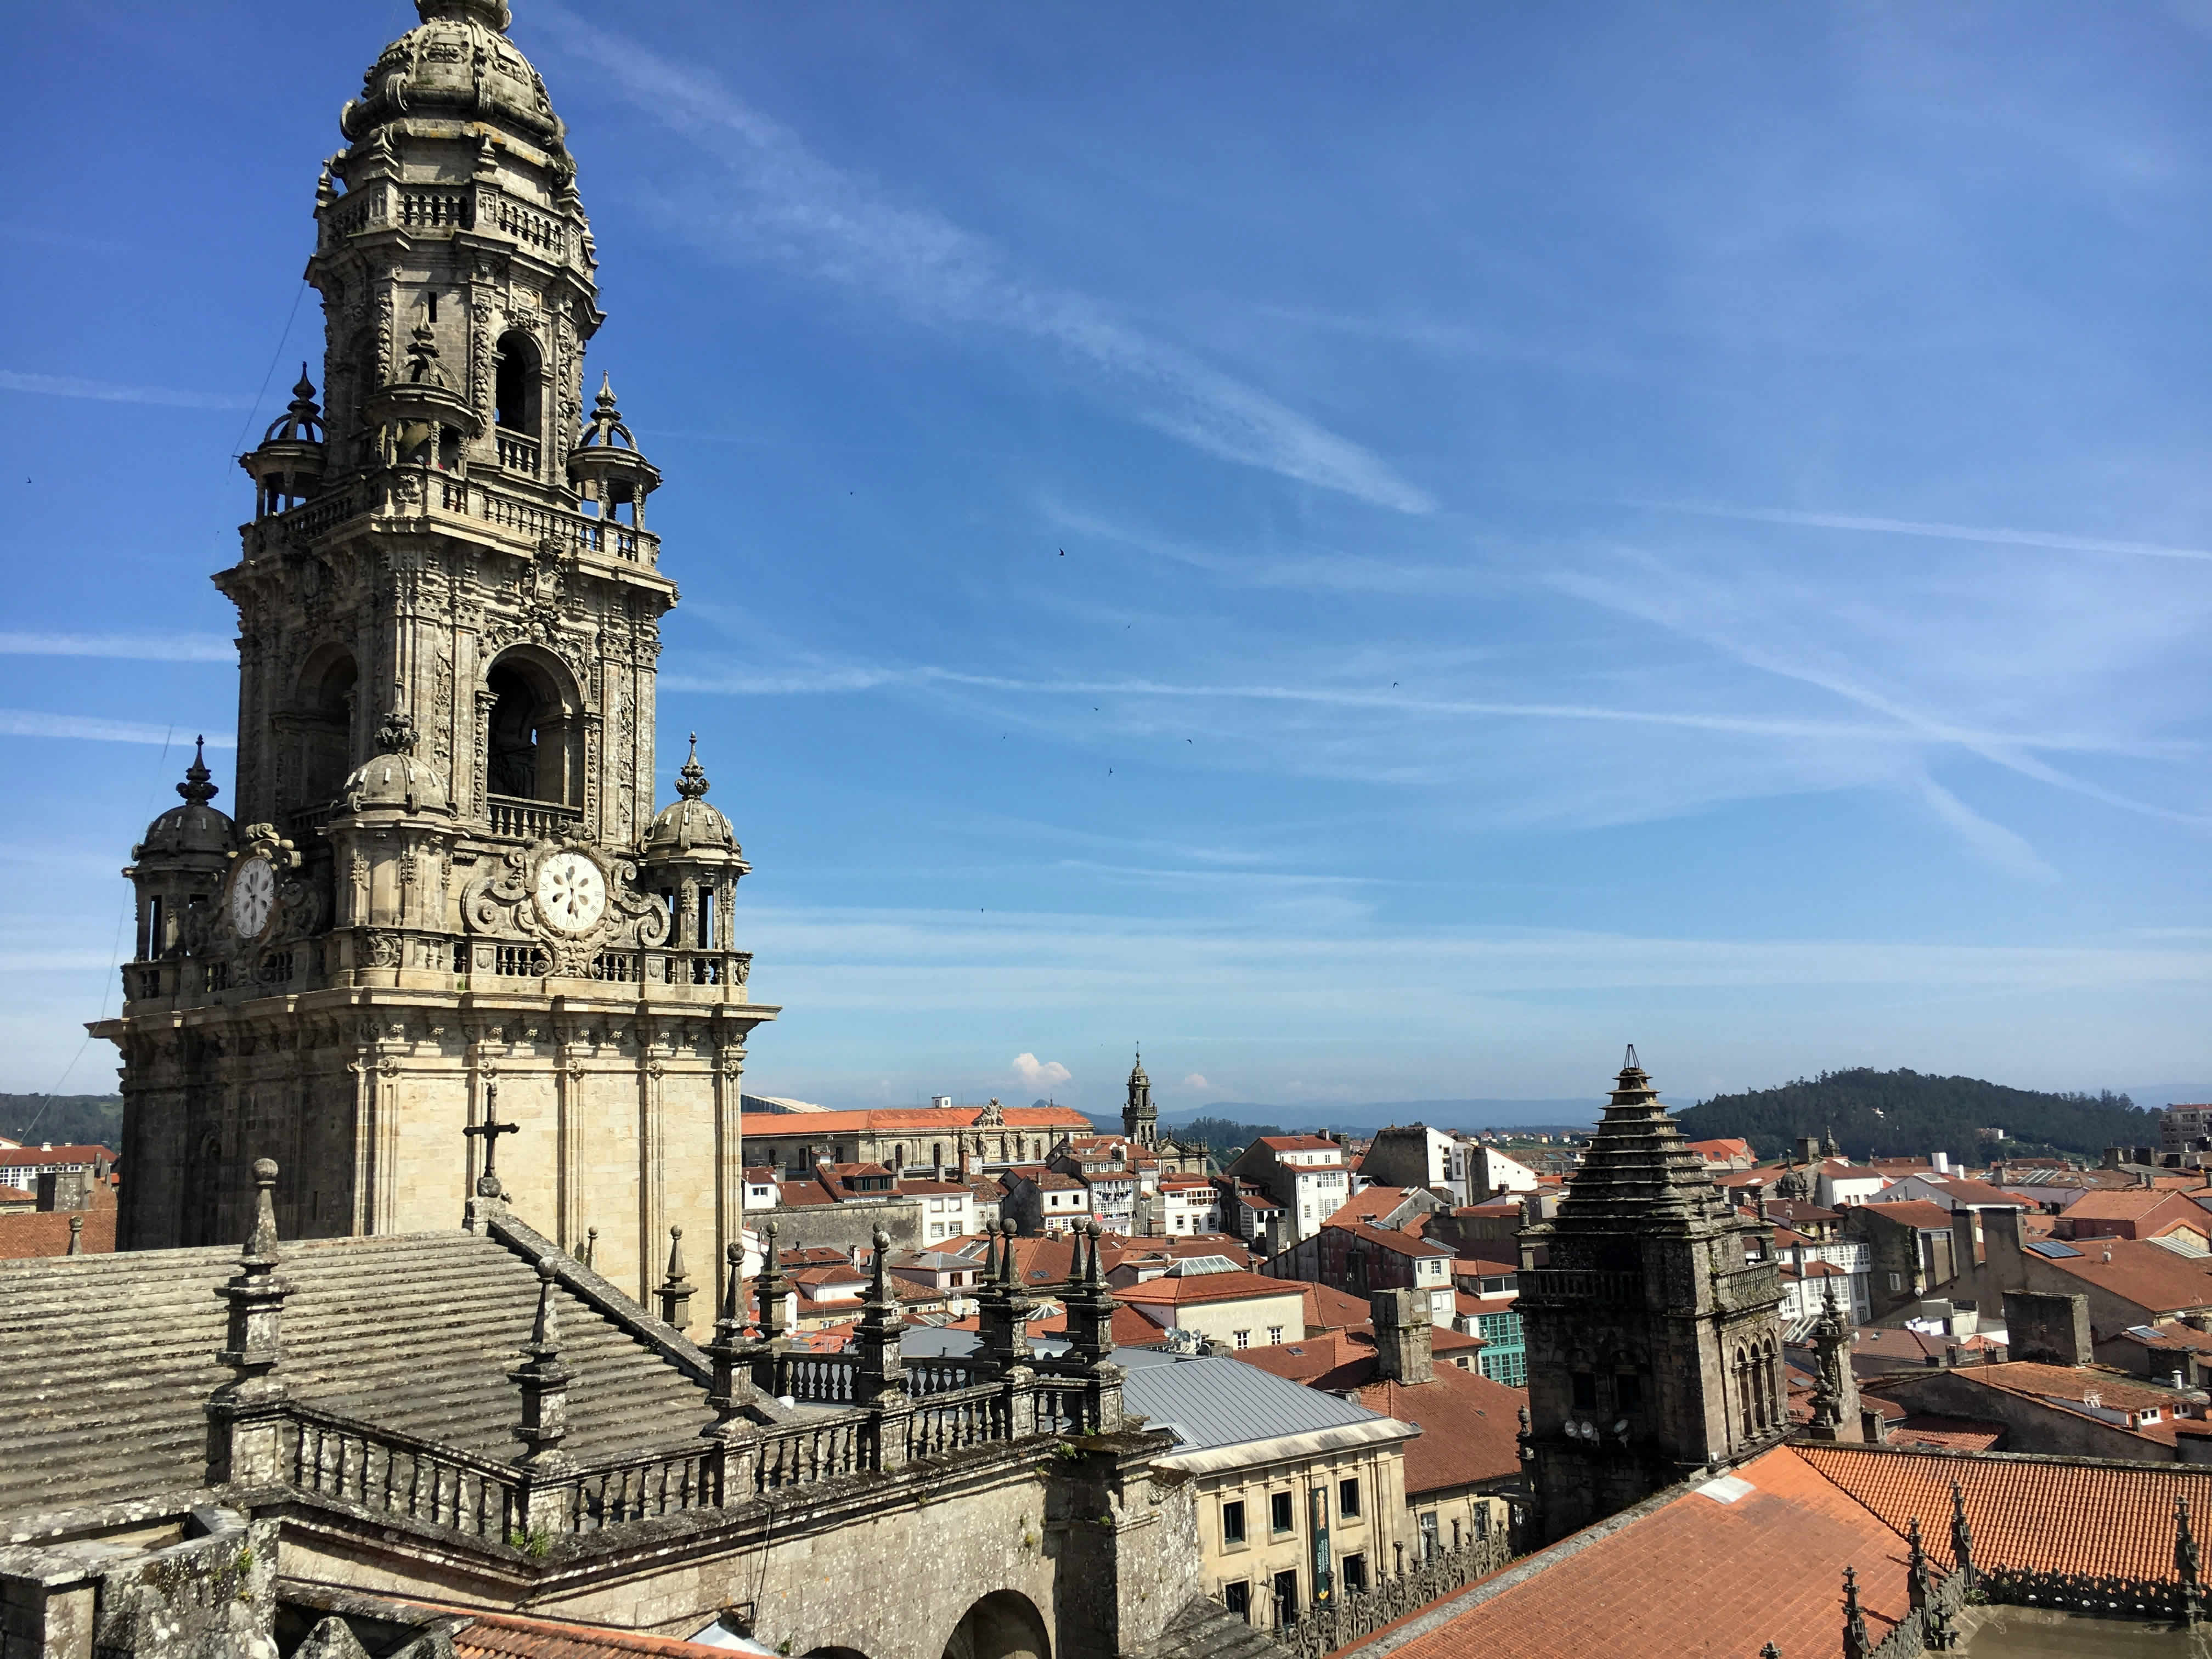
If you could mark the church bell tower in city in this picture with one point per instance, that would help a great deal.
(442, 890)
(1652, 1310)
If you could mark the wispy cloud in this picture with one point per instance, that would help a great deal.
(135, 647)
(2054, 542)
(1902, 729)
(794, 208)
(34, 723)
(107, 392)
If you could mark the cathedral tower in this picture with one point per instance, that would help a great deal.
(444, 890)
(1654, 1340)
(1140, 1120)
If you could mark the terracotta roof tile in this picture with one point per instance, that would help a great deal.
(47, 1232)
(2111, 1518)
(2149, 1275)
(1470, 1428)
(505, 1635)
(1686, 1578)
(1207, 1287)
(1912, 1212)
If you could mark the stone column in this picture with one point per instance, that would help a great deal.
(544, 1383)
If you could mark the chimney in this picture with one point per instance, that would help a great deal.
(2113, 1156)
(64, 1189)
(2046, 1328)
(1402, 1336)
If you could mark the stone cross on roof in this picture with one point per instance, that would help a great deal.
(489, 1131)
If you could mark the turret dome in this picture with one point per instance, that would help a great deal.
(195, 827)
(394, 777)
(689, 824)
(459, 64)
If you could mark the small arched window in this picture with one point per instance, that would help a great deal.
(325, 723)
(516, 385)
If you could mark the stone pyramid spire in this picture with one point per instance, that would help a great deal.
(1637, 1166)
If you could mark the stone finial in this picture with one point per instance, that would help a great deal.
(591, 1246)
(2185, 1564)
(1856, 1645)
(1962, 1536)
(770, 1284)
(423, 366)
(1919, 1590)
(543, 1381)
(1770, 1651)
(396, 736)
(301, 421)
(199, 786)
(76, 1235)
(691, 781)
(244, 1416)
(729, 1351)
(605, 425)
(675, 1291)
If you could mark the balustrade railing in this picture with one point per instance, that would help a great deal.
(953, 1422)
(482, 207)
(1353, 1614)
(386, 1472)
(821, 1449)
(927, 1377)
(514, 819)
(607, 1495)
(395, 1473)
(517, 454)
(818, 1379)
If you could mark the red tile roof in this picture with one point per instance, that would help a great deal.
(1177, 1292)
(1711, 1151)
(1330, 1308)
(2047, 1514)
(1470, 1428)
(1334, 1360)
(1928, 1431)
(1694, 1575)
(1297, 1144)
(47, 1232)
(1369, 1204)
(508, 1636)
(1389, 1238)
(2149, 1275)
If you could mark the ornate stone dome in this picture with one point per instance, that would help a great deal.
(459, 64)
(195, 827)
(394, 777)
(689, 824)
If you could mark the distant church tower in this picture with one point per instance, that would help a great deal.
(1655, 1340)
(1140, 1120)
(445, 875)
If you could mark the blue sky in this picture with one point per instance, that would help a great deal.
(1580, 525)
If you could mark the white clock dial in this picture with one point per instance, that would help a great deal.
(253, 896)
(571, 892)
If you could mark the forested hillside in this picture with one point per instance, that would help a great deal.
(1892, 1113)
(65, 1120)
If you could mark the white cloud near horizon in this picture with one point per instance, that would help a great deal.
(1196, 1080)
(795, 208)
(1038, 1074)
(2049, 541)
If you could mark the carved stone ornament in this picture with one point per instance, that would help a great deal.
(546, 894)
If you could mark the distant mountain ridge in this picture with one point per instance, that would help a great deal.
(1904, 1113)
(1365, 1117)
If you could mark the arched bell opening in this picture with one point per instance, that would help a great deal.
(533, 731)
(518, 403)
(322, 721)
(1004, 1624)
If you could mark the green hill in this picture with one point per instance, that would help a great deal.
(1899, 1114)
(64, 1120)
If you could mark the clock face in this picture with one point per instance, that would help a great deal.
(253, 896)
(571, 892)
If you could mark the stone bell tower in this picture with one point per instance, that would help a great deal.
(1140, 1118)
(444, 890)
(1653, 1321)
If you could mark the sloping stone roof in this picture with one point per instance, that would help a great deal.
(106, 1362)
